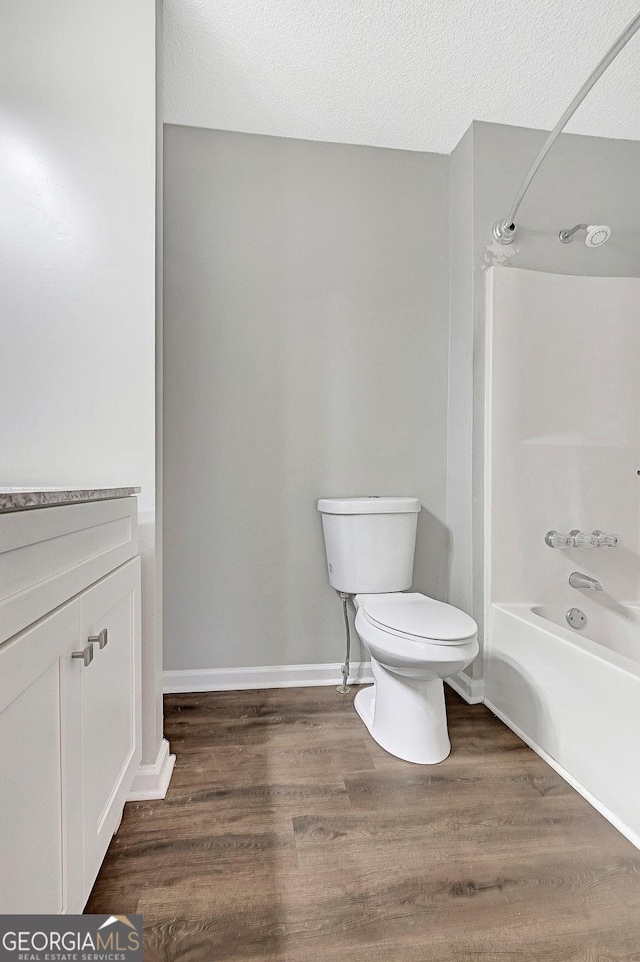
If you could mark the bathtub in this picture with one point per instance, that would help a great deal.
(574, 696)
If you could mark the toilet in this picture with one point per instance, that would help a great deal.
(415, 642)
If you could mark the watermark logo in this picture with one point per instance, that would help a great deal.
(70, 938)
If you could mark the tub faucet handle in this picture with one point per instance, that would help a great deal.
(556, 540)
(606, 540)
(581, 540)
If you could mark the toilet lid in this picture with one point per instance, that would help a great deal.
(415, 614)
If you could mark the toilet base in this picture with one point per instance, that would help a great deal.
(405, 715)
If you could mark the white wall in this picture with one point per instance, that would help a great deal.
(77, 175)
(77, 195)
(306, 302)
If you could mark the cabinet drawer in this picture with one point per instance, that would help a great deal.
(48, 555)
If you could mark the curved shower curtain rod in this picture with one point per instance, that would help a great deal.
(504, 230)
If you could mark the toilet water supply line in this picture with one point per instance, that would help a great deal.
(504, 230)
(344, 688)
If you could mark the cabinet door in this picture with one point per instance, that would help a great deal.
(109, 708)
(32, 750)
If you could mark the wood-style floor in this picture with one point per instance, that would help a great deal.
(288, 834)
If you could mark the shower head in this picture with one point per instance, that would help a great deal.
(597, 234)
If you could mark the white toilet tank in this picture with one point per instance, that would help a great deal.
(370, 543)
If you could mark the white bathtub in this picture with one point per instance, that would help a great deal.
(574, 696)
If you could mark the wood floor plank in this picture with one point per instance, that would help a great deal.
(455, 780)
(440, 830)
(279, 718)
(295, 795)
(199, 854)
(235, 760)
(287, 834)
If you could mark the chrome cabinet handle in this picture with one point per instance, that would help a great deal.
(100, 640)
(86, 654)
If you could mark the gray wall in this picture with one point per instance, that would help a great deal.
(583, 180)
(305, 354)
(460, 425)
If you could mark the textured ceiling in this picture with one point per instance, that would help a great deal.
(397, 73)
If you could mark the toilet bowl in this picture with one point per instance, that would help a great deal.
(415, 642)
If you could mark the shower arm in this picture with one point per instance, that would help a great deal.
(566, 235)
(504, 230)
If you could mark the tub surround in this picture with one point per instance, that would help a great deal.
(572, 176)
(561, 450)
(562, 435)
(18, 499)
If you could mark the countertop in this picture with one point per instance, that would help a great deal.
(18, 499)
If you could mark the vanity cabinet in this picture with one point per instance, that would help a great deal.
(69, 699)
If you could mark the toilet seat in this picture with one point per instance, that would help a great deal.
(416, 617)
(412, 655)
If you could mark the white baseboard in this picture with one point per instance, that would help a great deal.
(610, 816)
(152, 781)
(269, 676)
(470, 689)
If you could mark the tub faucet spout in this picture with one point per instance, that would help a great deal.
(577, 580)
